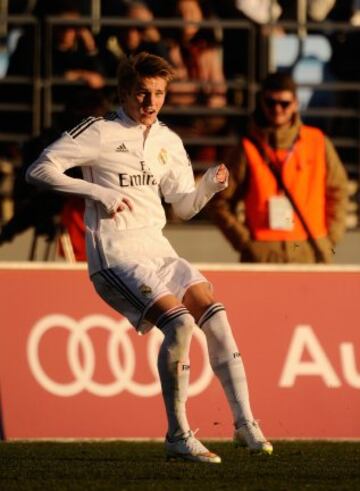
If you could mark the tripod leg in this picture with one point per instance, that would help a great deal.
(33, 247)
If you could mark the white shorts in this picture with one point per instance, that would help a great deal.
(132, 287)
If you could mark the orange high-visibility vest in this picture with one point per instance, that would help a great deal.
(304, 174)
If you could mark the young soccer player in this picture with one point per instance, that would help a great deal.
(130, 162)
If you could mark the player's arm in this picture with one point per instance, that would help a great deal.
(48, 171)
(178, 184)
(188, 205)
(222, 209)
(47, 174)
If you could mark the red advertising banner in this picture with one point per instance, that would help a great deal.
(70, 367)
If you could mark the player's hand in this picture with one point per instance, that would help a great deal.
(125, 204)
(222, 174)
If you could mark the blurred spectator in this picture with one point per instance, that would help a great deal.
(72, 221)
(259, 11)
(344, 61)
(235, 41)
(74, 51)
(117, 42)
(238, 43)
(344, 64)
(355, 17)
(196, 56)
(307, 55)
(20, 121)
(43, 210)
(74, 57)
(316, 10)
(291, 181)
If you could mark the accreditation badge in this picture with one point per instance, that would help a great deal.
(281, 213)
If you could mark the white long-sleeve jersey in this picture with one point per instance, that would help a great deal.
(120, 159)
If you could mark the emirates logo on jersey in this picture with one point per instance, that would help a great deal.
(136, 180)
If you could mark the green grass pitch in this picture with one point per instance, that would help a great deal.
(120, 466)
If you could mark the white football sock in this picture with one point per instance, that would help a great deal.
(174, 369)
(226, 361)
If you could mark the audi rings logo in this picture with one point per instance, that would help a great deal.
(83, 368)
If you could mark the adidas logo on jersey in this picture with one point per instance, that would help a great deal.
(121, 148)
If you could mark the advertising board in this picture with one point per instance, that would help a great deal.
(71, 367)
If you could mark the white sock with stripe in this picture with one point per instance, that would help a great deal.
(226, 361)
(174, 369)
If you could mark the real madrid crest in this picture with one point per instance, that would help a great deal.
(145, 290)
(163, 156)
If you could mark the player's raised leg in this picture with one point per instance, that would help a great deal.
(227, 364)
(177, 325)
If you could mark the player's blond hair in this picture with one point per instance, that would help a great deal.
(142, 65)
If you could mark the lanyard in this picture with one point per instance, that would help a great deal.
(275, 160)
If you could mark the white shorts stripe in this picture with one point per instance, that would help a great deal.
(116, 282)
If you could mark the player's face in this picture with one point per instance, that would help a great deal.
(145, 100)
(279, 107)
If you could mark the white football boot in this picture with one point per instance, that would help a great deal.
(190, 449)
(250, 435)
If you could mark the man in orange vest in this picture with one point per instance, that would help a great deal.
(291, 181)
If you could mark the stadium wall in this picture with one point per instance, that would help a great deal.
(196, 242)
(70, 367)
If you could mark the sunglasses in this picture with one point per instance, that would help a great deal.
(271, 102)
